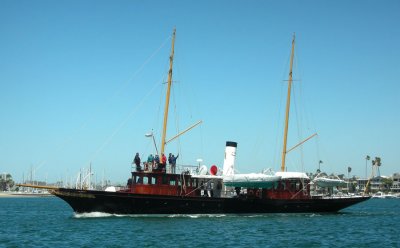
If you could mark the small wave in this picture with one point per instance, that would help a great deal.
(256, 216)
(108, 215)
(195, 216)
(93, 215)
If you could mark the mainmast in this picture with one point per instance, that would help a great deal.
(171, 59)
(287, 107)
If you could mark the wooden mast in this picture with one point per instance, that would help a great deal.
(171, 59)
(287, 107)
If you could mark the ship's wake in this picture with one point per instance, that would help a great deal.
(108, 215)
(190, 216)
(94, 215)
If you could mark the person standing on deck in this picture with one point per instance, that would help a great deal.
(170, 162)
(173, 163)
(156, 162)
(150, 160)
(136, 161)
(163, 162)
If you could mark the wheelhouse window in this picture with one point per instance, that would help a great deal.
(139, 179)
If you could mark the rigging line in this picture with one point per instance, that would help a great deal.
(326, 162)
(85, 123)
(136, 73)
(176, 120)
(182, 88)
(317, 146)
(302, 99)
(327, 159)
(146, 150)
(177, 111)
(277, 124)
(298, 124)
(307, 115)
(142, 66)
(258, 145)
(134, 110)
(297, 101)
(156, 119)
(201, 142)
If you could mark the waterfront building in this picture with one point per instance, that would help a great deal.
(396, 183)
(361, 184)
(377, 183)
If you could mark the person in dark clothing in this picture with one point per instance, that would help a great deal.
(157, 162)
(136, 161)
(170, 162)
(173, 162)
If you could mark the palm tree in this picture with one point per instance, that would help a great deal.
(378, 164)
(373, 164)
(9, 181)
(6, 182)
(366, 164)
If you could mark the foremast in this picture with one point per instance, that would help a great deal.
(287, 107)
(169, 84)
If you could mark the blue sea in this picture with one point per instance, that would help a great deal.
(50, 222)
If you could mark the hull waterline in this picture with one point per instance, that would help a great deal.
(85, 201)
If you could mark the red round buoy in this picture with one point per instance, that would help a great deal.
(213, 170)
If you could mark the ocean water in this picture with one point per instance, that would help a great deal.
(50, 222)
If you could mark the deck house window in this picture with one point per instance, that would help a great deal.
(164, 179)
(293, 185)
(282, 185)
(187, 182)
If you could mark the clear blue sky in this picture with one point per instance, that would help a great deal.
(81, 83)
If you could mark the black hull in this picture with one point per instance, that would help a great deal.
(86, 201)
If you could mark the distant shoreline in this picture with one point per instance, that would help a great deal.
(23, 195)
